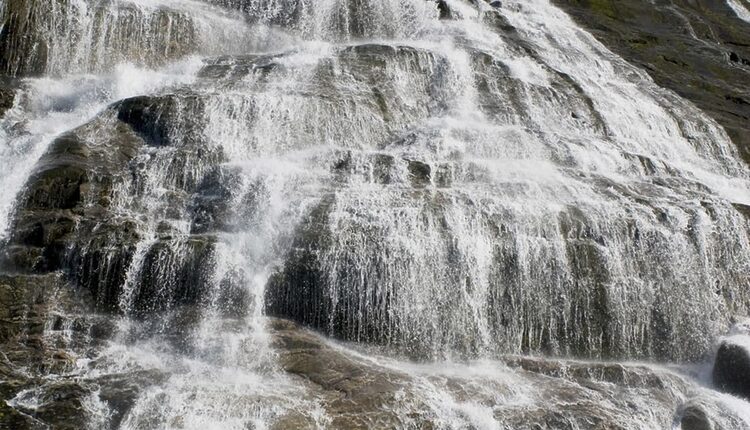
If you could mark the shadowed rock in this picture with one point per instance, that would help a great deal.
(732, 366)
(73, 214)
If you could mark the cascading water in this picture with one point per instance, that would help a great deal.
(550, 209)
(449, 182)
(740, 8)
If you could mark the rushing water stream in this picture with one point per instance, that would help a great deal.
(439, 187)
(740, 9)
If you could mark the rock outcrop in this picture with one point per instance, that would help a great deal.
(697, 48)
(74, 215)
(44, 328)
(732, 366)
(7, 95)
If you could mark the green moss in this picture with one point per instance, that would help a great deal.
(603, 7)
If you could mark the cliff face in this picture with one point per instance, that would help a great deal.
(201, 200)
(698, 48)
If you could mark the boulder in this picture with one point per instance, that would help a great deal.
(74, 211)
(731, 371)
(694, 417)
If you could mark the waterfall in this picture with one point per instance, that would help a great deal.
(537, 254)
(480, 210)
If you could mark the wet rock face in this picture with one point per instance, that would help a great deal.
(61, 36)
(280, 12)
(20, 51)
(7, 96)
(357, 396)
(358, 19)
(695, 418)
(703, 64)
(76, 213)
(42, 329)
(356, 297)
(732, 366)
(156, 119)
(56, 196)
(355, 272)
(360, 393)
(61, 404)
(409, 242)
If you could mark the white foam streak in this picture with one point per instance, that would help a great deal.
(741, 10)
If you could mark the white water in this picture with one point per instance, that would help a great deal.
(740, 9)
(626, 154)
